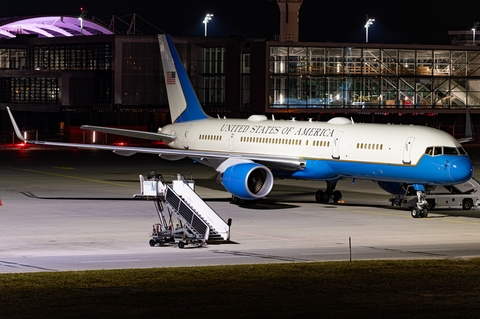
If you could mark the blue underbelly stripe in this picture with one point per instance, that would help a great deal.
(444, 169)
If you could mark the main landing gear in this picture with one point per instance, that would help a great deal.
(421, 208)
(330, 194)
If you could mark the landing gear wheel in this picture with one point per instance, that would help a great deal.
(415, 211)
(467, 204)
(319, 196)
(242, 202)
(181, 244)
(424, 213)
(337, 195)
(237, 201)
(152, 242)
(430, 204)
(326, 197)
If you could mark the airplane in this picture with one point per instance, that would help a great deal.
(249, 154)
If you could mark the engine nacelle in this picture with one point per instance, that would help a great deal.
(248, 180)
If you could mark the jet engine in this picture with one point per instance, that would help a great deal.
(248, 181)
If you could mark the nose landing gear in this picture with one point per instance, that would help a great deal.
(420, 210)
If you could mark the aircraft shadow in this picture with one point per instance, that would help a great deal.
(276, 203)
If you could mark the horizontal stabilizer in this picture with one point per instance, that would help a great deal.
(131, 133)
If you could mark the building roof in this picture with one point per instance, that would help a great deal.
(50, 26)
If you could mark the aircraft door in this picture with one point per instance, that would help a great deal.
(407, 149)
(232, 138)
(185, 141)
(336, 145)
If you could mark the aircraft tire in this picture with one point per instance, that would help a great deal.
(337, 195)
(430, 204)
(424, 213)
(326, 197)
(415, 212)
(319, 196)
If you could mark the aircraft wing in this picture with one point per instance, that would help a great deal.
(131, 133)
(289, 163)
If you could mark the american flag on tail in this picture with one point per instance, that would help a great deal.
(171, 77)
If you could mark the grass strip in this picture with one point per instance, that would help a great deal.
(359, 289)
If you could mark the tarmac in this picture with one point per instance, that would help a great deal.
(64, 209)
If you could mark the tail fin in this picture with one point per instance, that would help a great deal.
(469, 130)
(182, 100)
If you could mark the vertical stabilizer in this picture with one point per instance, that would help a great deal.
(182, 100)
(469, 131)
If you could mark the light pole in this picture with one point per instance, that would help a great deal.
(208, 17)
(475, 26)
(367, 25)
(81, 17)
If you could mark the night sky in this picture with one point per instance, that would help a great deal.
(337, 21)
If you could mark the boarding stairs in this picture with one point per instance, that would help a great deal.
(194, 213)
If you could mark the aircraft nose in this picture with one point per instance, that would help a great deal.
(460, 170)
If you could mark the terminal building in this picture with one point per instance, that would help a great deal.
(59, 72)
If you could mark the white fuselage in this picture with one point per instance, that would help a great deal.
(347, 141)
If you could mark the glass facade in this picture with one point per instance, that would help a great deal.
(12, 58)
(29, 90)
(245, 80)
(140, 73)
(349, 77)
(213, 93)
(46, 89)
(81, 56)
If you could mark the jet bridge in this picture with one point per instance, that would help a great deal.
(187, 219)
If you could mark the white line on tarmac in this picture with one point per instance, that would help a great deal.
(108, 261)
(221, 257)
(321, 254)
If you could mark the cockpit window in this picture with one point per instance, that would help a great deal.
(439, 150)
(450, 150)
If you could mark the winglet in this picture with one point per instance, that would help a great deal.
(15, 126)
